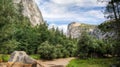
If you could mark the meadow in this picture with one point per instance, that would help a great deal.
(101, 62)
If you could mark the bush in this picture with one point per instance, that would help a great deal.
(82, 55)
(0, 58)
(5, 58)
(36, 56)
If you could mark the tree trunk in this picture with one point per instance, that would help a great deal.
(113, 7)
(118, 10)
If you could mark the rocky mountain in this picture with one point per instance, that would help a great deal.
(75, 30)
(29, 9)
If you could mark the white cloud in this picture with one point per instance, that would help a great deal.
(57, 10)
(60, 27)
(81, 3)
(63, 27)
(95, 14)
(63, 2)
(86, 17)
(90, 3)
(51, 10)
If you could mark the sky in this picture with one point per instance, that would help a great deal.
(60, 13)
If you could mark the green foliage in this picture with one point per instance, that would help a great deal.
(113, 25)
(1, 58)
(91, 63)
(50, 51)
(35, 56)
(113, 12)
(10, 46)
(85, 45)
(4, 58)
(89, 46)
(45, 50)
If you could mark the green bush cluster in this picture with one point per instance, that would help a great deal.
(50, 51)
(91, 47)
(35, 56)
(4, 58)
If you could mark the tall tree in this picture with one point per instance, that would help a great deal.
(113, 9)
(112, 12)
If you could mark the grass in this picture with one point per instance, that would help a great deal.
(105, 62)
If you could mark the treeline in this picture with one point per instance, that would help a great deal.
(16, 33)
(92, 47)
(112, 12)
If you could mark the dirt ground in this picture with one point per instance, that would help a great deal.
(2, 64)
(57, 62)
(50, 63)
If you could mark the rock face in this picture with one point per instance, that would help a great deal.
(29, 9)
(21, 59)
(75, 29)
(21, 56)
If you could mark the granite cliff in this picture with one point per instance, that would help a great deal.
(75, 30)
(30, 10)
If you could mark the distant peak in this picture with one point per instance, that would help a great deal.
(75, 24)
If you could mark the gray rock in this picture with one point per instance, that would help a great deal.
(29, 9)
(21, 59)
(75, 30)
(21, 56)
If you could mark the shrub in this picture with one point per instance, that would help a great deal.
(36, 56)
(0, 58)
(5, 58)
(82, 55)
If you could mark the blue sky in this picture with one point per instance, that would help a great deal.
(62, 12)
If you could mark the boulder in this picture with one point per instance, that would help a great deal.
(21, 59)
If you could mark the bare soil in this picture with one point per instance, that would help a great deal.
(2, 64)
(62, 62)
